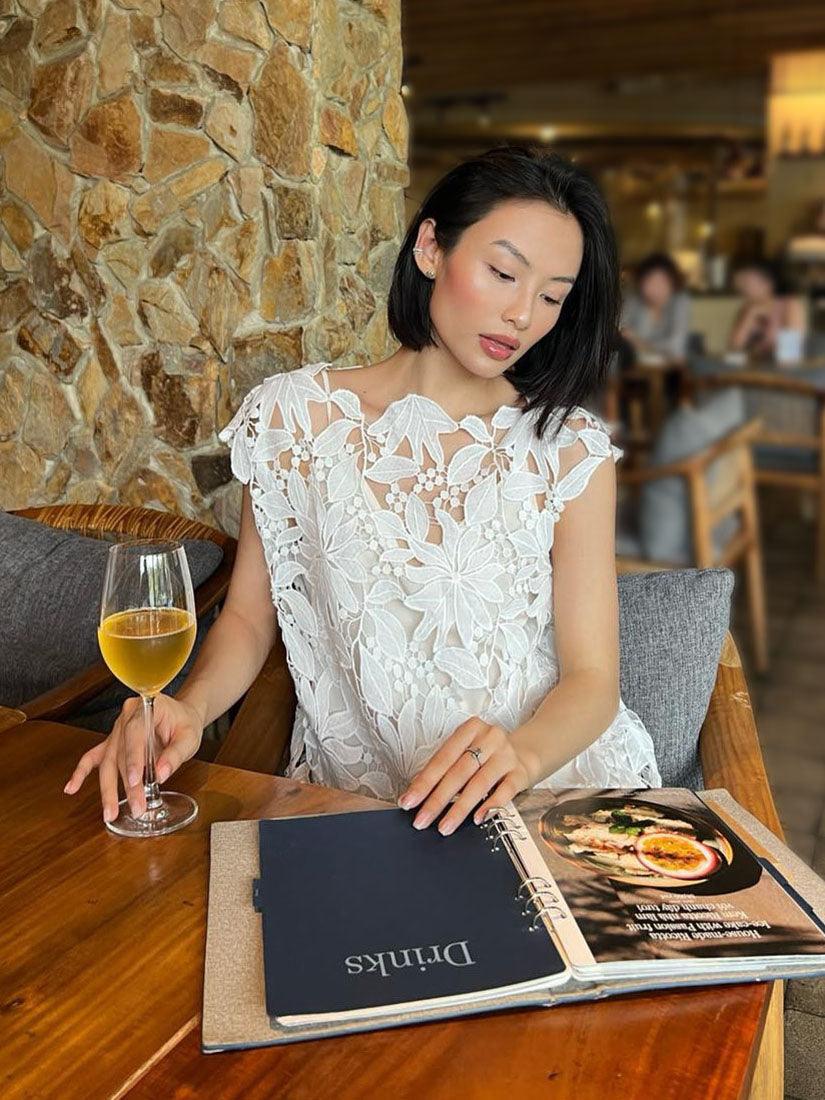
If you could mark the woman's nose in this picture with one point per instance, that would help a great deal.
(520, 310)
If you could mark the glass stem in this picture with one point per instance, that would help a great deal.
(150, 779)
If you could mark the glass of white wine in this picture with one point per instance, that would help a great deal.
(146, 633)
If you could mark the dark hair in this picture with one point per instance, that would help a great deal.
(771, 270)
(568, 364)
(660, 261)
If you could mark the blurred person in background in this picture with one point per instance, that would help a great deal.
(767, 309)
(656, 314)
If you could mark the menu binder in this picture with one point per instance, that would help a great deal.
(559, 901)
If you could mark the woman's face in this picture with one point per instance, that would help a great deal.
(753, 284)
(507, 278)
(656, 288)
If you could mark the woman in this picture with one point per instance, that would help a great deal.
(766, 309)
(434, 533)
(656, 317)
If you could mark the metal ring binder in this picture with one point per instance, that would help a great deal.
(501, 825)
(537, 901)
(554, 912)
(528, 882)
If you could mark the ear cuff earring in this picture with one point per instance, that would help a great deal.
(428, 274)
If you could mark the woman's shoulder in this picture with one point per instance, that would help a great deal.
(578, 433)
(281, 400)
(566, 424)
(306, 380)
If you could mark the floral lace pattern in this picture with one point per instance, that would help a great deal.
(410, 568)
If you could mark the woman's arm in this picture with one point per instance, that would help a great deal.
(586, 611)
(743, 327)
(238, 644)
(795, 315)
(230, 658)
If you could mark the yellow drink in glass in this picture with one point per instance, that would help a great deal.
(146, 647)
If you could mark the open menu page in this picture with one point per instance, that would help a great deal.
(654, 876)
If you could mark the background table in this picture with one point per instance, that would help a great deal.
(101, 962)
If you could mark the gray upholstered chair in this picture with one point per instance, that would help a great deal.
(52, 561)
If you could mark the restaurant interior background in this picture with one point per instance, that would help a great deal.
(702, 120)
(704, 123)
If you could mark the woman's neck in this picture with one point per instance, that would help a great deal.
(434, 373)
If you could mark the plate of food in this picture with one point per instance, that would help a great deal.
(643, 844)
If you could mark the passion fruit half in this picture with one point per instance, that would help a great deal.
(676, 855)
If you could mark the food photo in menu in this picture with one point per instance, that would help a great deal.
(656, 874)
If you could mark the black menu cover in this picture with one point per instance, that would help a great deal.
(361, 910)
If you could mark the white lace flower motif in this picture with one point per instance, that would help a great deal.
(418, 421)
(454, 582)
(333, 544)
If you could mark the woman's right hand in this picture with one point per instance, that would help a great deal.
(178, 733)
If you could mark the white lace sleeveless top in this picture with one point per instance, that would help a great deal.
(410, 566)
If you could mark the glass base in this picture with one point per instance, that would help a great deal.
(173, 812)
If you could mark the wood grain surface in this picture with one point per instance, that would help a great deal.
(101, 959)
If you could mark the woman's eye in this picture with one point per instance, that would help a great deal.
(509, 279)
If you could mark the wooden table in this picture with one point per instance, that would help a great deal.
(101, 956)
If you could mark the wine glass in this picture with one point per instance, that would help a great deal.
(146, 632)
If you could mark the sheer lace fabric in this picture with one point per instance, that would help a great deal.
(410, 567)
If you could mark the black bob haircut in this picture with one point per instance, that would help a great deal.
(570, 363)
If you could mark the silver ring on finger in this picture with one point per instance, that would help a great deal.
(476, 755)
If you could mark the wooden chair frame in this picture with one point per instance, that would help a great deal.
(778, 382)
(745, 546)
(100, 520)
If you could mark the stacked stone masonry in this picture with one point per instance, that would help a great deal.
(195, 194)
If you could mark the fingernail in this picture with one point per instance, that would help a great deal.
(445, 830)
(66, 788)
(422, 821)
(163, 773)
(132, 776)
(108, 815)
(406, 801)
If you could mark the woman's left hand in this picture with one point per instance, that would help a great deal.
(493, 773)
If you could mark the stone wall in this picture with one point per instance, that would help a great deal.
(197, 193)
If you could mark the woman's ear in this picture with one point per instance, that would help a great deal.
(426, 250)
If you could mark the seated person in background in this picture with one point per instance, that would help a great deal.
(766, 309)
(656, 315)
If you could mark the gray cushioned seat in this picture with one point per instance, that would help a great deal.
(796, 460)
(50, 587)
(672, 625)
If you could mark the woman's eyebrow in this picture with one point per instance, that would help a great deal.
(521, 257)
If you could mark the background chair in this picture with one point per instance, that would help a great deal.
(705, 516)
(790, 446)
